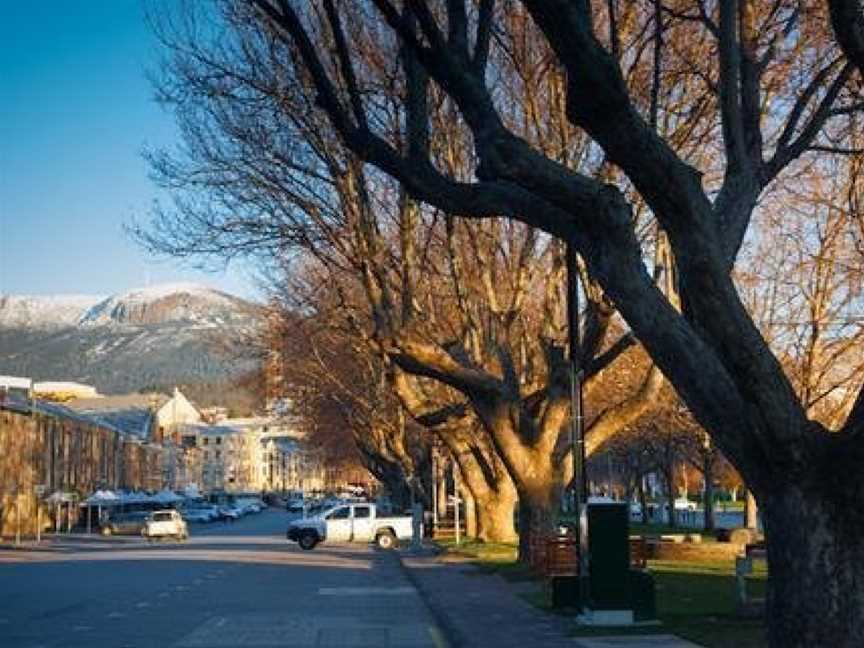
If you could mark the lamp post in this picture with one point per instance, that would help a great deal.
(577, 438)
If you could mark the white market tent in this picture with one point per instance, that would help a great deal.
(166, 496)
(102, 497)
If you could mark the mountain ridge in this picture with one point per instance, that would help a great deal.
(163, 334)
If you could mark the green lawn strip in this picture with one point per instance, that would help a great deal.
(483, 552)
(695, 599)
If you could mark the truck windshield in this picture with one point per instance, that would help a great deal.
(340, 514)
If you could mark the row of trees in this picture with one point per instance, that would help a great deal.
(420, 175)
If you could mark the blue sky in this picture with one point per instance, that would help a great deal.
(76, 110)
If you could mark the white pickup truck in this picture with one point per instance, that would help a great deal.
(162, 524)
(350, 523)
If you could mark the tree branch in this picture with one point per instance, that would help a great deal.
(847, 19)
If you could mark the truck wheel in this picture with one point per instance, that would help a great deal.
(308, 540)
(386, 540)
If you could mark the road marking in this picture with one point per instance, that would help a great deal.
(365, 591)
(82, 628)
(142, 604)
(116, 615)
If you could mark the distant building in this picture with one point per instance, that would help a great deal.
(61, 391)
(173, 414)
(152, 418)
(16, 390)
(131, 414)
(253, 455)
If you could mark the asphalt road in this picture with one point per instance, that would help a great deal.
(229, 585)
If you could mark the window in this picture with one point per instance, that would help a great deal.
(362, 512)
(218, 454)
(218, 440)
(340, 514)
(161, 517)
(206, 440)
(206, 455)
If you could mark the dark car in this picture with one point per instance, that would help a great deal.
(124, 524)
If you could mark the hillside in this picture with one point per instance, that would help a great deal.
(161, 335)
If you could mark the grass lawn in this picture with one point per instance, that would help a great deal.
(695, 600)
(664, 529)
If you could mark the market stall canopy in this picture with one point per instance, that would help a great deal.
(103, 497)
(58, 497)
(166, 497)
(134, 497)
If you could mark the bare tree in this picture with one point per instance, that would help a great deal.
(451, 303)
(712, 352)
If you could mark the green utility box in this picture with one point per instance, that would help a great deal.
(609, 551)
(644, 599)
(566, 592)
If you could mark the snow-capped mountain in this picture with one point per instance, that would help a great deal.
(26, 311)
(181, 302)
(159, 335)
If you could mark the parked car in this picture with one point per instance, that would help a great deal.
(227, 512)
(200, 515)
(124, 524)
(165, 524)
(350, 523)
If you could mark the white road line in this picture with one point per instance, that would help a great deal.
(365, 591)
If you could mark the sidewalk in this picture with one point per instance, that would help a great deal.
(478, 609)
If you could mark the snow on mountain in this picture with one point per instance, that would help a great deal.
(164, 334)
(180, 302)
(31, 311)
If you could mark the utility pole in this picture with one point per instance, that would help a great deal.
(456, 505)
(434, 488)
(577, 438)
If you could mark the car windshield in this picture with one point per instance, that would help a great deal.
(339, 514)
(161, 517)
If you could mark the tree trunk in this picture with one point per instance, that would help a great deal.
(669, 478)
(471, 526)
(816, 563)
(538, 510)
(495, 515)
(643, 500)
(494, 498)
(441, 494)
(708, 475)
(751, 511)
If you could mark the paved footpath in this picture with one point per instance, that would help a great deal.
(480, 610)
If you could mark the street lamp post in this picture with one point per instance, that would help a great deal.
(577, 438)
